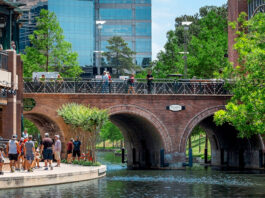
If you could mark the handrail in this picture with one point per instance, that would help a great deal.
(140, 86)
(3, 60)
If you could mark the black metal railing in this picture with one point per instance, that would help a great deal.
(140, 86)
(3, 60)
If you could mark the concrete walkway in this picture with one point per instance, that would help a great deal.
(67, 173)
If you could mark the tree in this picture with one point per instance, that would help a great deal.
(119, 55)
(110, 132)
(49, 51)
(207, 36)
(246, 109)
(86, 122)
(207, 49)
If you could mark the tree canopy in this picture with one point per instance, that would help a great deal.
(49, 51)
(110, 132)
(207, 45)
(246, 109)
(119, 55)
(85, 121)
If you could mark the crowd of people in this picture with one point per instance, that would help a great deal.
(26, 154)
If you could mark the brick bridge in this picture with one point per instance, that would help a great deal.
(148, 126)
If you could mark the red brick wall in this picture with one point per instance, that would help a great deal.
(235, 7)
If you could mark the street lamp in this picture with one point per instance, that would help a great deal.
(98, 52)
(186, 25)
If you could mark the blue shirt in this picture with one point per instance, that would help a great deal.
(77, 145)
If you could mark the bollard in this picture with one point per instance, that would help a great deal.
(190, 157)
(162, 156)
(260, 158)
(123, 155)
(206, 156)
(134, 155)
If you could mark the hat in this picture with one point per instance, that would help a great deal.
(14, 137)
(57, 136)
(30, 136)
(46, 134)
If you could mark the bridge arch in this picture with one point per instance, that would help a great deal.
(145, 135)
(226, 148)
(46, 124)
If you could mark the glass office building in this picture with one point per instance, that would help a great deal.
(76, 17)
(130, 19)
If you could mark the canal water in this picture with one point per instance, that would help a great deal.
(120, 182)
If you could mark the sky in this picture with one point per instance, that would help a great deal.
(164, 13)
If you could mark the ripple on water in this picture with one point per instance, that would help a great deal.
(179, 179)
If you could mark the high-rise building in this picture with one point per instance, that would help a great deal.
(76, 18)
(130, 19)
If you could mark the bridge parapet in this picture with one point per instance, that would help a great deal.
(140, 86)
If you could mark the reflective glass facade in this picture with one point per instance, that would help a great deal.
(130, 19)
(77, 20)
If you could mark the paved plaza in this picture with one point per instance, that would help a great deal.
(65, 174)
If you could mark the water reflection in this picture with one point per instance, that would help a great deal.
(124, 183)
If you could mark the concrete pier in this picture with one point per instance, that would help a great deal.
(67, 173)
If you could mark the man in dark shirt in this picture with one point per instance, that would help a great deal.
(149, 79)
(76, 150)
(47, 150)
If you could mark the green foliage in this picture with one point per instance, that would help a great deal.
(84, 117)
(110, 132)
(48, 51)
(87, 121)
(246, 109)
(31, 127)
(207, 45)
(120, 56)
(83, 163)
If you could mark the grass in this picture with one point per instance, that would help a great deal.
(196, 152)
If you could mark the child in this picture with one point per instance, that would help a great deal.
(1, 160)
(37, 157)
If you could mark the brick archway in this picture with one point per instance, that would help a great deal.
(46, 124)
(154, 120)
(194, 122)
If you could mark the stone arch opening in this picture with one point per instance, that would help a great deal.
(142, 135)
(46, 125)
(226, 148)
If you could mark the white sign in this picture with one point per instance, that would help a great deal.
(175, 108)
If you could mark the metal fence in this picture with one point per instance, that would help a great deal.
(3, 60)
(161, 86)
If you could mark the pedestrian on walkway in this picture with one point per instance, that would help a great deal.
(76, 151)
(1, 160)
(149, 79)
(47, 151)
(12, 150)
(21, 157)
(110, 82)
(105, 87)
(70, 150)
(131, 84)
(29, 153)
(57, 150)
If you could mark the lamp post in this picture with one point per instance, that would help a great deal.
(98, 52)
(186, 25)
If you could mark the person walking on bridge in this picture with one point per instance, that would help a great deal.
(12, 150)
(29, 153)
(105, 87)
(149, 79)
(47, 151)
